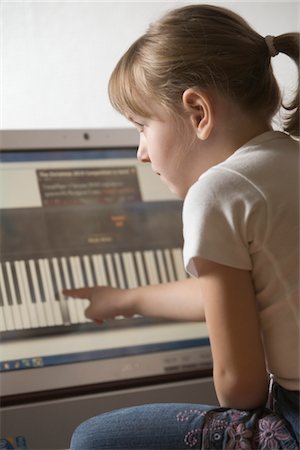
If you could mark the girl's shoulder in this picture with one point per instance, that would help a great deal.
(258, 168)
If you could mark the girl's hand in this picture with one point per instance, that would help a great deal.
(178, 300)
(105, 302)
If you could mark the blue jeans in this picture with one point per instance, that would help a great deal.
(286, 405)
(183, 426)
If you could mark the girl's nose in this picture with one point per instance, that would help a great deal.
(142, 154)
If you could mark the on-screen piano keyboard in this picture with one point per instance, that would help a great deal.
(47, 249)
(31, 290)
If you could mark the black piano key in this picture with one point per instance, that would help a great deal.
(124, 272)
(30, 283)
(169, 278)
(137, 272)
(16, 284)
(70, 273)
(6, 286)
(109, 281)
(40, 282)
(92, 271)
(174, 266)
(1, 298)
(118, 270)
(53, 279)
(115, 271)
(145, 268)
(84, 275)
(59, 277)
(157, 268)
(62, 275)
(88, 270)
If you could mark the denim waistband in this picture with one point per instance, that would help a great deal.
(286, 405)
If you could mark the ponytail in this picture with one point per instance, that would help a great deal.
(204, 46)
(289, 44)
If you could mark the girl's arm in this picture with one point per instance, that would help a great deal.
(179, 300)
(240, 375)
(223, 296)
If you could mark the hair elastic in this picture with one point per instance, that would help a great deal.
(271, 47)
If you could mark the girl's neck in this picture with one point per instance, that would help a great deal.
(232, 128)
(235, 127)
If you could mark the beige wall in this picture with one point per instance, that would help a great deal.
(57, 55)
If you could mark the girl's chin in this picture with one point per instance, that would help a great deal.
(176, 190)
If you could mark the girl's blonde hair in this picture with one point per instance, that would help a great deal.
(207, 47)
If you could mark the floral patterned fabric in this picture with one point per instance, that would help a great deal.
(184, 426)
(222, 429)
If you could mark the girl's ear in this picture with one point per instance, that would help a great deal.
(199, 107)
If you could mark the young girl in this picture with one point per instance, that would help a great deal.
(200, 89)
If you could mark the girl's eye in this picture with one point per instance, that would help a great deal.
(139, 126)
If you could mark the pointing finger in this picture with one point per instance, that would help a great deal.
(84, 293)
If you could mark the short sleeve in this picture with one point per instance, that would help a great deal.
(224, 220)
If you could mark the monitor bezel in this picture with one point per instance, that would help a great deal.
(22, 140)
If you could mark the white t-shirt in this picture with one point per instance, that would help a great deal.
(243, 213)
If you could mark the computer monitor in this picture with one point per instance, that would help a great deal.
(78, 209)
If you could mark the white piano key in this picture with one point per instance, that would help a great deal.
(119, 271)
(67, 261)
(178, 261)
(110, 269)
(140, 268)
(52, 302)
(7, 310)
(15, 307)
(82, 271)
(2, 320)
(62, 299)
(161, 266)
(43, 293)
(23, 307)
(77, 275)
(170, 269)
(92, 270)
(131, 273)
(124, 270)
(27, 297)
(130, 269)
(15, 281)
(48, 299)
(98, 264)
(70, 301)
(79, 283)
(88, 271)
(151, 267)
(39, 306)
